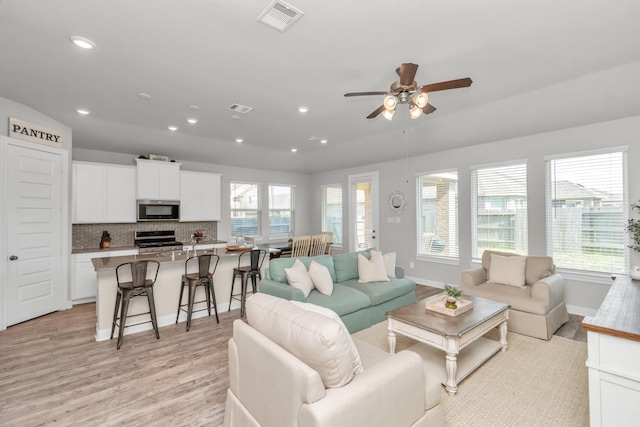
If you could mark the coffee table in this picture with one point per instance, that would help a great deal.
(459, 337)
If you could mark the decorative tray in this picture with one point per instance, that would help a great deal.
(237, 249)
(437, 304)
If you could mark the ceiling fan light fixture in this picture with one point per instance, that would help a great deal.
(388, 114)
(390, 103)
(421, 99)
(415, 111)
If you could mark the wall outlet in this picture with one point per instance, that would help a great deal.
(411, 264)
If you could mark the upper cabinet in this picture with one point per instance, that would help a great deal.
(103, 193)
(158, 180)
(199, 196)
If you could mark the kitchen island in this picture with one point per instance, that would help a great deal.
(166, 289)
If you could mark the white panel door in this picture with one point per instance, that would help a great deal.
(34, 233)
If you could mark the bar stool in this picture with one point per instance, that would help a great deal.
(139, 286)
(204, 277)
(252, 270)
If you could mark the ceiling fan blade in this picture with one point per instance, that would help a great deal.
(376, 112)
(451, 84)
(428, 109)
(365, 93)
(407, 74)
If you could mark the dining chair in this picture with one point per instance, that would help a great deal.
(300, 246)
(318, 244)
(329, 240)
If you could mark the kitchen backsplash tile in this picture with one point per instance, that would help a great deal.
(87, 236)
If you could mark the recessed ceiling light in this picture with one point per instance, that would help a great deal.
(293, 150)
(173, 128)
(303, 109)
(323, 141)
(192, 120)
(235, 117)
(239, 140)
(143, 95)
(82, 42)
(194, 107)
(83, 111)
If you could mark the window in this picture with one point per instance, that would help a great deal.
(281, 212)
(332, 211)
(245, 209)
(437, 214)
(499, 209)
(587, 211)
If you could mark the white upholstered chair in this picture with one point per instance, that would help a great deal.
(529, 284)
(289, 366)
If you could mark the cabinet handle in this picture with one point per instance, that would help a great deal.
(13, 258)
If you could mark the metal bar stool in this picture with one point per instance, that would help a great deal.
(139, 285)
(203, 277)
(252, 270)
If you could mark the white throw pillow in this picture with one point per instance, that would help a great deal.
(353, 350)
(321, 278)
(390, 264)
(508, 270)
(298, 277)
(372, 270)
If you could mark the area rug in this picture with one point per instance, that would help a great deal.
(533, 383)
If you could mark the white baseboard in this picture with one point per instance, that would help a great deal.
(105, 334)
(582, 311)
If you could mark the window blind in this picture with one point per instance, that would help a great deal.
(586, 211)
(499, 209)
(332, 211)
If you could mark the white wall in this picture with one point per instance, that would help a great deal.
(302, 196)
(582, 296)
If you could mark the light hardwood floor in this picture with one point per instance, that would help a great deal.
(53, 372)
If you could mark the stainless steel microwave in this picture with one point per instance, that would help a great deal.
(158, 210)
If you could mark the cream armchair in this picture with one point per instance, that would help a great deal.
(528, 283)
(289, 366)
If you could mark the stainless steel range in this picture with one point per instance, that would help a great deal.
(156, 241)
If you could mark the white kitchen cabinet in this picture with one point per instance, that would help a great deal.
(84, 282)
(199, 196)
(158, 180)
(613, 347)
(103, 193)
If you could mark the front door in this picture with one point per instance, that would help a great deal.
(33, 212)
(363, 211)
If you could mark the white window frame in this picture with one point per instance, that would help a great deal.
(337, 240)
(258, 210)
(476, 257)
(452, 226)
(276, 236)
(575, 273)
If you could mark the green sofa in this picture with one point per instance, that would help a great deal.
(359, 305)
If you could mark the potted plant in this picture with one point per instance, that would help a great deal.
(633, 228)
(453, 294)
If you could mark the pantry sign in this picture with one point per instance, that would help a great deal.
(34, 133)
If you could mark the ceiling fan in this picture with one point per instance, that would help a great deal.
(406, 91)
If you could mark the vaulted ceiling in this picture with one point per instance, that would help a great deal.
(536, 67)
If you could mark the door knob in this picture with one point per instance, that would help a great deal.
(13, 257)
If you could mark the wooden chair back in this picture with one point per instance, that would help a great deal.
(318, 244)
(300, 246)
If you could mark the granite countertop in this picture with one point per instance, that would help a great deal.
(110, 263)
(110, 249)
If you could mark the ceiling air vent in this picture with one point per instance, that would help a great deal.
(240, 108)
(280, 15)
